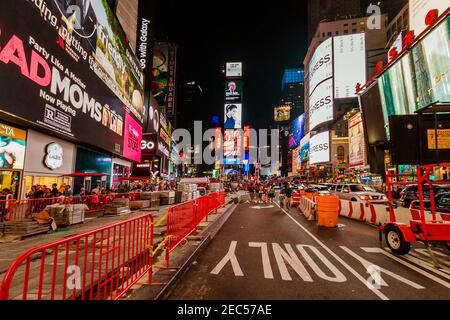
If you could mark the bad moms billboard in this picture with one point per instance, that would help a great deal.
(64, 66)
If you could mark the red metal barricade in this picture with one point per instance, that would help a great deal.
(98, 265)
(19, 210)
(183, 219)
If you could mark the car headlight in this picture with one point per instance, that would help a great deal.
(364, 197)
(385, 198)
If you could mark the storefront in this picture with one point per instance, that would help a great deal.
(12, 158)
(47, 160)
(120, 169)
(88, 161)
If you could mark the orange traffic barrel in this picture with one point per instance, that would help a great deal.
(327, 210)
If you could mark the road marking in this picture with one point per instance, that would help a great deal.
(268, 273)
(292, 259)
(422, 272)
(350, 269)
(368, 264)
(338, 276)
(230, 256)
(260, 207)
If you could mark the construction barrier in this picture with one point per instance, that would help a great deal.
(183, 219)
(327, 210)
(295, 199)
(308, 208)
(98, 265)
(377, 214)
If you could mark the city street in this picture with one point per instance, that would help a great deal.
(265, 253)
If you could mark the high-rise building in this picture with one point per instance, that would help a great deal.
(331, 10)
(293, 91)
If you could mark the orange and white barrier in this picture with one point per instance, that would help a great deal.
(308, 208)
(295, 199)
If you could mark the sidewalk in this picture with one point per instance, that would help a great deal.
(9, 251)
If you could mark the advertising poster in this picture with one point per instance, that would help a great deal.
(297, 131)
(321, 64)
(132, 139)
(233, 70)
(160, 84)
(282, 113)
(356, 141)
(319, 149)
(296, 162)
(233, 116)
(321, 104)
(304, 148)
(233, 91)
(431, 60)
(12, 147)
(232, 143)
(418, 10)
(349, 54)
(58, 71)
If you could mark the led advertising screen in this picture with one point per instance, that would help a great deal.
(356, 141)
(431, 60)
(370, 103)
(296, 162)
(304, 148)
(12, 147)
(233, 70)
(164, 76)
(321, 64)
(297, 131)
(319, 150)
(349, 64)
(397, 90)
(233, 91)
(68, 91)
(282, 113)
(233, 143)
(418, 10)
(233, 116)
(321, 104)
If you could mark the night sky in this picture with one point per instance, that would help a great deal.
(266, 36)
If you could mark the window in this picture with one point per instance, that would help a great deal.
(345, 24)
(340, 154)
(345, 31)
(354, 24)
(337, 33)
(329, 34)
(354, 30)
(339, 188)
(345, 189)
(323, 34)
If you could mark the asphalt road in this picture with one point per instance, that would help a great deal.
(266, 253)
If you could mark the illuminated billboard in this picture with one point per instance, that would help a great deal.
(349, 64)
(282, 113)
(321, 64)
(296, 162)
(319, 149)
(233, 70)
(356, 141)
(80, 79)
(12, 147)
(421, 77)
(418, 10)
(233, 116)
(304, 148)
(297, 131)
(233, 91)
(321, 104)
(233, 143)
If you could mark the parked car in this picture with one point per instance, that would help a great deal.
(359, 193)
(441, 201)
(411, 193)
